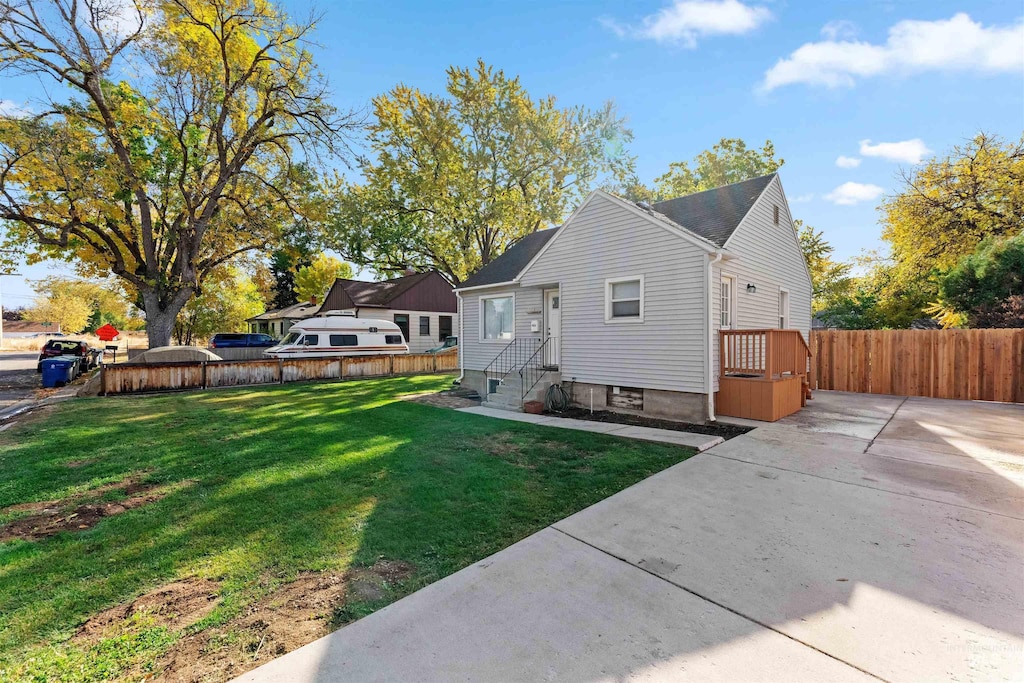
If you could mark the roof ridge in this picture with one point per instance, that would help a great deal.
(659, 216)
(717, 187)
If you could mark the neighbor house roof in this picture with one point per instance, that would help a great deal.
(30, 327)
(428, 291)
(299, 311)
(507, 267)
(716, 213)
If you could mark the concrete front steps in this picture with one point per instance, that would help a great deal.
(509, 395)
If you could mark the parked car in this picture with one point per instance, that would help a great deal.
(239, 340)
(448, 344)
(67, 347)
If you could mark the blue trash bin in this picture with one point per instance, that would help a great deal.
(57, 372)
(76, 368)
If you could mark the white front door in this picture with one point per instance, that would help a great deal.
(552, 326)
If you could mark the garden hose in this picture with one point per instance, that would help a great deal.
(556, 399)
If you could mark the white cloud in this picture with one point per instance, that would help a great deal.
(12, 109)
(908, 151)
(955, 44)
(848, 194)
(684, 21)
(840, 29)
(847, 162)
(803, 198)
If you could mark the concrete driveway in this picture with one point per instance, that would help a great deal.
(866, 537)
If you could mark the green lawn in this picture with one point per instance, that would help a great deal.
(264, 483)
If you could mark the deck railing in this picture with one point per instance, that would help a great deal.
(764, 353)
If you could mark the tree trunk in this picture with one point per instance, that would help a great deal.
(160, 317)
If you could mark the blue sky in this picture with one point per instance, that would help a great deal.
(817, 78)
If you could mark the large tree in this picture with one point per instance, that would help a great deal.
(104, 299)
(947, 206)
(453, 180)
(830, 279)
(729, 161)
(312, 282)
(229, 298)
(173, 150)
(982, 283)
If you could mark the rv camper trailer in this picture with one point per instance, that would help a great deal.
(335, 336)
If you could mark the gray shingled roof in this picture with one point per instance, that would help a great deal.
(714, 214)
(508, 266)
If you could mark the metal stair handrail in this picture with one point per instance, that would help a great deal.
(534, 370)
(510, 359)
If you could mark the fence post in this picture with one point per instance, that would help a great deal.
(435, 363)
(204, 375)
(280, 371)
(391, 364)
(103, 379)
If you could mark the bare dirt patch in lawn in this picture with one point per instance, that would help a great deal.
(450, 398)
(175, 605)
(295, 614)
(504, 445)
(53, 516)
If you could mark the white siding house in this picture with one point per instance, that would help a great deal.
(626, 299)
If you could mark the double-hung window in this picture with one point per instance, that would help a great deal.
(497, 318)
(783, 309)
(727, 302)
(624, 299)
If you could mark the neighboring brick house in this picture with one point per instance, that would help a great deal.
(423, 305)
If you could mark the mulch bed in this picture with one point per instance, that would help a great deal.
(726, 431)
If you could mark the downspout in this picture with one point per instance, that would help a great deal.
(462, 358)
(709, 374)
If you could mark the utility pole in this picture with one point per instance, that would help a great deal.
(2, 308)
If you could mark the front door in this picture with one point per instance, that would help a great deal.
(552, 326)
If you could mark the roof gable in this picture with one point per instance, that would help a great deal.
(509, 265)
(427, 291)
(716, 213)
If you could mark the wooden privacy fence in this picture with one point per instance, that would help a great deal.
(129, 379)
(985, 365)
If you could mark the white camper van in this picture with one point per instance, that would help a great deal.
(333, 336)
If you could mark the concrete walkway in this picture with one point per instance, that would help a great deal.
(701, 442)
(867, 537)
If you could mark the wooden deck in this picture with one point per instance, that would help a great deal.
(764, 374)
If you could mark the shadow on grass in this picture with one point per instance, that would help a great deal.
(285, 479)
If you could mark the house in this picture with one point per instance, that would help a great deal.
(276, 323)
(648, 309)
(423, 305)
(28, 329)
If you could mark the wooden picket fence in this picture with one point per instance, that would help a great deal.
(152, 377)
(985, 365)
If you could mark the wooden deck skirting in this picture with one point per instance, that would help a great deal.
(763, 374)
(154, 377)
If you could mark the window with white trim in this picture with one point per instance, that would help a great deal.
(783, 309)
(727, 307)
(624, 299)
(497, 318)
